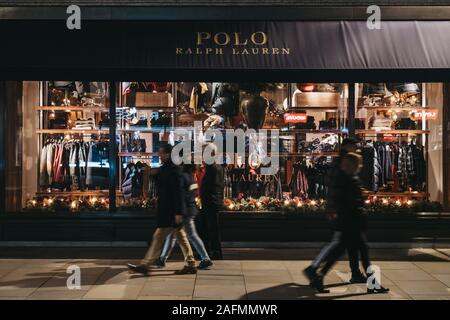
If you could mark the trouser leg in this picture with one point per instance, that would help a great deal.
(154, 251)
(183, 241)
(212, 216)
(326, 250)
(333, 256)
(364, 251)
(195, 240)
(169, 244)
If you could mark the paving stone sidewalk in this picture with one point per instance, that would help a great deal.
(244, 274)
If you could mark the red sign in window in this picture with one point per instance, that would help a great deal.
(295, 117)
(428, 114)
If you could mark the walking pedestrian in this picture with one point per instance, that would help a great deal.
(350, 221)
(211, 194)
(191, 188)
(171, 208)
(347, 146)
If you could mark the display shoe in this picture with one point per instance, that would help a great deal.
(358, 278)
(378, 290)
(138, 268)
(205, 265)
(187, 270)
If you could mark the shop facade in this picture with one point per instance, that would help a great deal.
(83, 119)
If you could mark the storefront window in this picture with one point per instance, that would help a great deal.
(62, 147)
(58, 146)
(394, 122)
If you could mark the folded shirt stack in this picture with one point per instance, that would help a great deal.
(84, 124)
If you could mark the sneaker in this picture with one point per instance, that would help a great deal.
(205, 264)
(160, 263)
(138, 268)
(358, 278)
(380, 290)
(187, 270)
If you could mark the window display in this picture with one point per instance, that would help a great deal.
(66, 147)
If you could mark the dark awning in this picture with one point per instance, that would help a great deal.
(293, 46)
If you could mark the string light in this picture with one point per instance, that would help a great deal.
(313, 202)
(398, 203)
(385, 201)
(409, 202)
(300, 204)
(73, 204)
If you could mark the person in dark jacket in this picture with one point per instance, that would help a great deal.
(211, 194)
(333, 199)
(350, 219)
(171, 208)
(191, 187)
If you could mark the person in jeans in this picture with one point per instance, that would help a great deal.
(189, 223)
(350, 219)
(170, 211)
(348, 146)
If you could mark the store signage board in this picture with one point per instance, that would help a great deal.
(428, 114)
(295, 118)
(237, 45)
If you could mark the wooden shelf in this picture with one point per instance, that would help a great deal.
(89, 193)
(306, 154)
(396, 194)
(72, 108)
(71, 131)
(324, 131)
(144, 130)
(167, 108)
(321, 108)
(137, 154)
(359, 131)
(393, 108)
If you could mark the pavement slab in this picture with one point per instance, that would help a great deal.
(419, 274)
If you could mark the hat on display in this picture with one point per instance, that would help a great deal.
(408, 88)
(370, 89)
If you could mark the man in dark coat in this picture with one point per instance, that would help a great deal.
(170, 211)
(211, 194)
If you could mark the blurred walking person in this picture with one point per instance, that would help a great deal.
(191, 187)
(211, 195)
(171, 208)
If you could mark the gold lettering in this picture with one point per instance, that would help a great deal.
(285, 50)
(263, 38)
(227, 38)
(237, 39)
(275, 51)
(219, 51)
(179, 50)
(188, 51)
(245, 51)
(198, 50)
(235, 51)
(265, 50)
(208, 50)
(202, 36)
